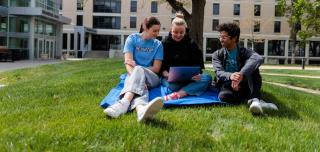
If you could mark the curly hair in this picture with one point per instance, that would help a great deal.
(232, 29)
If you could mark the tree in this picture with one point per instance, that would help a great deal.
(194, 19)
(303, 18)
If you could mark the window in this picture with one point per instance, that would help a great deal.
(301, 49)
(216, 9)
(3, 24)
(277, 26)
(60, 4)
(257, 10)
(107, 6)
(256, 27)
(133, 22)
(79, 20)
(79, 4)
(314, 49)
(215, 23)
(154, 7)
(71, 41)
(133, 6)
(106, 22)
(236, 9)
(276, 47)
(277, 11)
(64, 41)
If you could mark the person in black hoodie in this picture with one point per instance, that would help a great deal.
(180, 50)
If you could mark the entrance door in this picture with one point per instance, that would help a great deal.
(40, 48)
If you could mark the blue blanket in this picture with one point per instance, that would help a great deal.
(208, 97)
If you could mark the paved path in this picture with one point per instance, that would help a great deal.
(209, 66)
(292, 75)
(7, 66)
(294, 87)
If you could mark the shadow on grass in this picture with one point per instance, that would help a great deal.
(284, 110)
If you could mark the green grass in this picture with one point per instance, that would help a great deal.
(309, 83)
(56, 108)
(295, 72)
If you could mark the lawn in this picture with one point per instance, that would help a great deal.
(56, 108)
(292, 72)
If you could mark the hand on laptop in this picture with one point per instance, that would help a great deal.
(165, 74)
(196, 77)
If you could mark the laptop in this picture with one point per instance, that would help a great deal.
(182, 73)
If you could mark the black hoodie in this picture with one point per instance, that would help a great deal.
(183, 53)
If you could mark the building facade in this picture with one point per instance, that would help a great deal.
(101, 25)
(32, 29)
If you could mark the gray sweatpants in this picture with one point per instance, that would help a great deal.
(138, 83)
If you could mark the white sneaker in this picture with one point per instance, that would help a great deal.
(117, 109)
(148, 111)
(259, 106)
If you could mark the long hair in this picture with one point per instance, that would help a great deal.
(149, 22)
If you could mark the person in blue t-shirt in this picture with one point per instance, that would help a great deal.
(143, 55)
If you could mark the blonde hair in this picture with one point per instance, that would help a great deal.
(179, 20)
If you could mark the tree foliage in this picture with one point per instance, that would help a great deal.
(303, 18)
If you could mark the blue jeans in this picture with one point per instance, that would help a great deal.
(191, 87)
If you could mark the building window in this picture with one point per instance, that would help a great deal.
(215, 23)
(60, 4)
(79, 20)
(133, 6)
(106, 42)
(19, 3)
(133, 22)
(154, 7)
(277, 11)
(213, 44)
(256, 45)
(276, 47)
(301, 49)
(79, 4)
(216, 8)
(256, 27)
(236, 9)
(107, 6)
(314, 49)
(277, 26)
(3, 24)
(71, 41)
(257, 10)
(65, 41)
(106, 22)
(19, 24)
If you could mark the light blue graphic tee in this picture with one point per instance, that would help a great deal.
(232, 63)
(144, 52)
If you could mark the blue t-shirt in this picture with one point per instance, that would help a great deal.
(144, 52)
(231, 62)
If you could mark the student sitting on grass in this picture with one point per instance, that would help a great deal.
(237, 71)
(180, 50)
(143, 55)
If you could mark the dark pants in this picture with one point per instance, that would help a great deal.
(249, 88)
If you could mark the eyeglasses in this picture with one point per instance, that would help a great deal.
(223, 37)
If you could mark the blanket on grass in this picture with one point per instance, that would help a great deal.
(208, 97)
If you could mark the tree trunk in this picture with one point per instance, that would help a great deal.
(196, 30)
(293, 35)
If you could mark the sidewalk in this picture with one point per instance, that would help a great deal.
(208, 66)
(7, 66)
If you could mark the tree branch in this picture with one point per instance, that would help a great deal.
(178, 6)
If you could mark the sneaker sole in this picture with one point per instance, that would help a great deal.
(153, 108)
